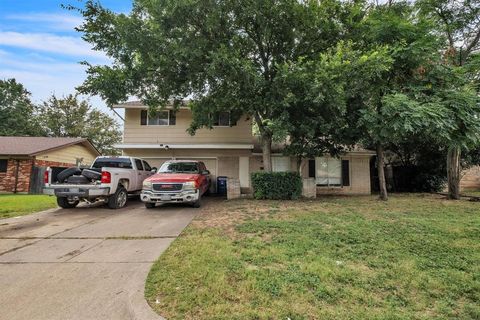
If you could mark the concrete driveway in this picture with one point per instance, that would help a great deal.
(84, 263)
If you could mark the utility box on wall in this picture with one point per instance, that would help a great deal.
(233, 188)
(309, 188)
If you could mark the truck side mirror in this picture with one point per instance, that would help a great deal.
(154, 170)
(205, 172)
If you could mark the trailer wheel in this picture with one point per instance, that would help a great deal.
(91, 174)
(68, 173)
(118, 199)
(64, 203)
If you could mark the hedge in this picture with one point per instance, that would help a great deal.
(276, 185)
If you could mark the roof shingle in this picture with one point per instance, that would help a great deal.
(33, 145)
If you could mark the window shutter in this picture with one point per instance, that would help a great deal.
(311, 168)
(172, 117)
(143, 117)
(233, 122)
(346, 173)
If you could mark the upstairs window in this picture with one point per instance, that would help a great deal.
(160, 118)
(223, 119)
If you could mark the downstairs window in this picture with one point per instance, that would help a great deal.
(328, 171)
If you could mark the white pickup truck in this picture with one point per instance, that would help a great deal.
(109, 179)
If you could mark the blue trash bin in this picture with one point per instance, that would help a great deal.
(222, 185)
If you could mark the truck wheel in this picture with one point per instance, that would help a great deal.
(67, 173)
(64, 203)
(118, 199)
(196, 204)
(149, 205)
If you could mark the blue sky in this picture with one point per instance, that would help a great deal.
(40, 48)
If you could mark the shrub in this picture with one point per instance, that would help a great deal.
(276, 185)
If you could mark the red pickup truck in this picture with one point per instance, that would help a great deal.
(177, 181)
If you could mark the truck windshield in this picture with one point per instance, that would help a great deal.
(179, 167)
(113, 163)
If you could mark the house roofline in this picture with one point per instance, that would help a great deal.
(140, 105)
(84, 141)
(167, 146)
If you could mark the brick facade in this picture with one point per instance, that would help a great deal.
(44, 163)
(7, 179)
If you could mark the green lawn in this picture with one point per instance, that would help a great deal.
(19, 204)
(472, 192)
(415, 257)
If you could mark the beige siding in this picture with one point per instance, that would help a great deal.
(136, 133)
(69, 155)
(359, 174)
(182, 153)
(228, 167)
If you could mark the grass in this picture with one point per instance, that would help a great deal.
(472, 192)
(414, 257)
(19, 204)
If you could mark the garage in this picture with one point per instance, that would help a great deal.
(210, 163)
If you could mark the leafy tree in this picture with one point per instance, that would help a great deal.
(69, 117)
(222, 55)
(313, 106)
(459, 22)
(17, 113)
(450, 95)
(403, 44)
(316, 115)
(384, 115)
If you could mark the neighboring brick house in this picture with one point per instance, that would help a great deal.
(22, 158)
(230, 149)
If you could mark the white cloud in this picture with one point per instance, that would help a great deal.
(58, 22)
(48, 42)
(43, 77)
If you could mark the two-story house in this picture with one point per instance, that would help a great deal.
(230, 149)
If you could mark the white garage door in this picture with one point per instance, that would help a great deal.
(156, 162)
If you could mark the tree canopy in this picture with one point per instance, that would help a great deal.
(222, 55)
(326, 74)
(72, 117)
(17, 112)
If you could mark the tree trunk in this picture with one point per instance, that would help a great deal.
(267, 152)
(453, 172)
(299, 165)
(381, 173)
